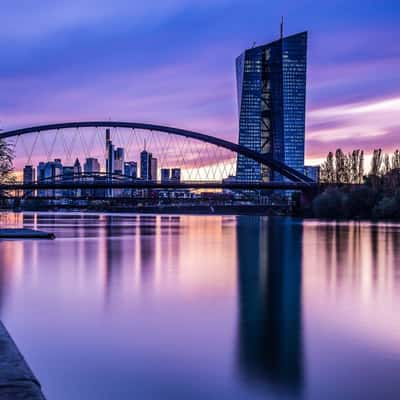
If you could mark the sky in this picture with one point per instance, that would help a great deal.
(173, 62)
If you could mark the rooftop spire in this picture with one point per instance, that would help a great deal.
(281, 27)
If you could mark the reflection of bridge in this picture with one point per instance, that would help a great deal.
(263, 159)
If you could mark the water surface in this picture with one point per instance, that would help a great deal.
(169, 307)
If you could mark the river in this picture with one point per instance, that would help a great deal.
(205, 307)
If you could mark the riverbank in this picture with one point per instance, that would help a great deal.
(17, 380)
(23, 233)
(171, 210)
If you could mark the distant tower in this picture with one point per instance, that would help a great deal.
(29, 177)
(145, 165)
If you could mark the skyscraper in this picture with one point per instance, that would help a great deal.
(153, 169)
(176, 174)
(130, 169)
(29, 177)
(271, 85)
(119, 161)
(165, 175)
(110, 153)
(145, 165)
(91, 165)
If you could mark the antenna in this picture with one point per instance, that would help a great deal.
(254, 45)
(282, 28)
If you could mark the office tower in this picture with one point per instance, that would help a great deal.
(77, 167)
(77, 177)
(40, 177)
(119, 161)
(91, 166)
(51, 172)
(313, 172)
(145, 165)
(130, 169)
(153, 169)
(165, 175)
(176, 174)
(110, 154)
(271, 85)
(29, 177)
(68, 176)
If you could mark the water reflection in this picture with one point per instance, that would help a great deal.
(270, 312)
(283, 301)
(147, 231)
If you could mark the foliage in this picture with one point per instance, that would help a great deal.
(6, 162)
(343, 168)
(328, 204)
(388, 207)
(359, 202)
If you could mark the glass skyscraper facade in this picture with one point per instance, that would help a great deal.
(271, 86)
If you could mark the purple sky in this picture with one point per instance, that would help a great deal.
(172, 62)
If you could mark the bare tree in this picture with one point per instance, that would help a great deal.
(361, 167)
(386, 168)
(6, 162)
(328, 169)
(376, 162)
(396, 160)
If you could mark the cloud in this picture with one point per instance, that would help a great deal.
(365, 125)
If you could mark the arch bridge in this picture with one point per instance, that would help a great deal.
(190, 150)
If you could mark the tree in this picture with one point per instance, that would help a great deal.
(376, 162)
(328, 170)
(361, 168)
(386, 168)
(341, 167)
(329, 204)
(6, 162)
(396, 160)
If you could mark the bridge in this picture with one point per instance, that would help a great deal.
(204, 161)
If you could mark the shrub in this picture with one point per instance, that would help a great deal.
(329, 204)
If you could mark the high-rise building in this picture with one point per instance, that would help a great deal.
(153, 169)
(77, 167)
(91, 166)
(130, 169)
(119, 161)
(40, 177)
(68, 176)
(110, 153)
(165, 175)
(50, 172)
(271, 85)
(29, 177)
(145, 165)
(176, 174)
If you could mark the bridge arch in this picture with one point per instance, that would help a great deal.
(264, 159)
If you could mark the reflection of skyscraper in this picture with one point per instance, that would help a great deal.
(147, 232)
(271, 83)
(270, 332)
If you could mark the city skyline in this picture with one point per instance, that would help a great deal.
(347, 100)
